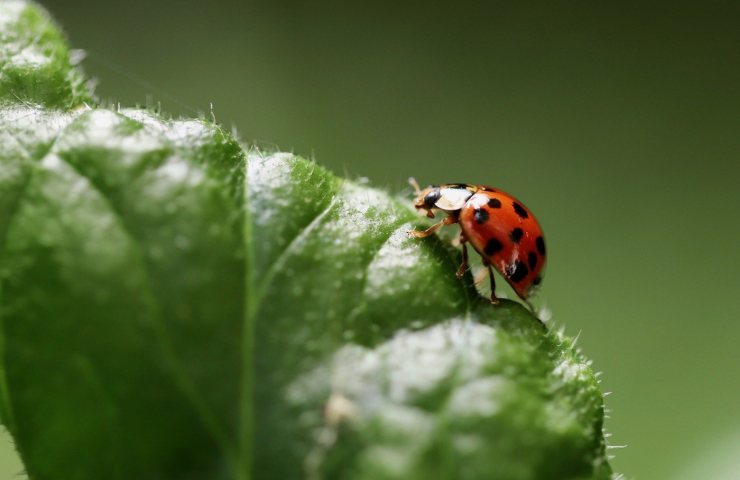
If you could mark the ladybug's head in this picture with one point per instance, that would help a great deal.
(426, 198)
(449, 198)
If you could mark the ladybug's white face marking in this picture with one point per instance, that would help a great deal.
(452, 198)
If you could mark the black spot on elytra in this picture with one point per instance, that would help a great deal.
(480, 215)
(517, 272)
(516, 235)
(532, 259)
(492, 247)
(540, 245)
(494, 203)
(537, 281)
(520, 210)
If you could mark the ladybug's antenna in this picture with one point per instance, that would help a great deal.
(415, 184)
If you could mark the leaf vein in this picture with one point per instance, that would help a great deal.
(183, 382)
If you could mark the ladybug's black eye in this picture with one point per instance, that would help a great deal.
(431, 198)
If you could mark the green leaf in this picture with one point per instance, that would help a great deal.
(35, 62)
(175, 307)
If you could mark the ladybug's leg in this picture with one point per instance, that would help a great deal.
(464, 265)
(531, 308)
(430, 231)
(534, 312)
(494, 299)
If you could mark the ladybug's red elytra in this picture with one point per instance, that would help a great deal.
(501, 229)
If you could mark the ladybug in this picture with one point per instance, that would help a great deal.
(498, 226)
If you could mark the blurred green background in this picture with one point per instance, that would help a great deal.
(618, 123)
